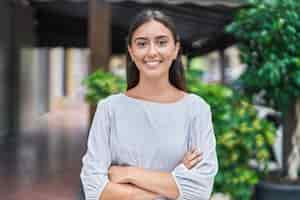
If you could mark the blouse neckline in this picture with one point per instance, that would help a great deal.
(182, 99)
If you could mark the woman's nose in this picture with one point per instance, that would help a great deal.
(152, 51)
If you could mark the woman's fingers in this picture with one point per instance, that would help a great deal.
(195, 161)
(193, 155)
(192, 158)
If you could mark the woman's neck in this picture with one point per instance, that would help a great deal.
(154, 88)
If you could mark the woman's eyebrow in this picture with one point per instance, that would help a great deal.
(161, 37)
(156, 38)
(140, 38)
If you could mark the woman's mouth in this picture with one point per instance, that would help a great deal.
(152, 64)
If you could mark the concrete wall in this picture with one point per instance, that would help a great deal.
(5, 53)
(17, 33)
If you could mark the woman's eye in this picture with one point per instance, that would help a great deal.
(141, 44)
(162, 43)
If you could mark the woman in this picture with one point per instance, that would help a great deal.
(146, 143)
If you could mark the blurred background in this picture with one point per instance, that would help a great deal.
(50, 54)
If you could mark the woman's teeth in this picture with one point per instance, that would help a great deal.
(152, 63)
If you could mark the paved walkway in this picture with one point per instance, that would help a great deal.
(44, 163)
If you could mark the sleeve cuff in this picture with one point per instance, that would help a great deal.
(100, 191)
(179, 167)
(94, 193)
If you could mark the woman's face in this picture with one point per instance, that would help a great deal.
(153, 49)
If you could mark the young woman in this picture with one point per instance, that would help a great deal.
(145, 143)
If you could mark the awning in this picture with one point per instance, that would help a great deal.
(200, 22)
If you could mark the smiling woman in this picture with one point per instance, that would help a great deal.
(153, 50)
(156, 141)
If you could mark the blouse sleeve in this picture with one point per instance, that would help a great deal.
(197, 183)
(97, 159)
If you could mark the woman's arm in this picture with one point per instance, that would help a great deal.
(197, 183)
(113, 191)
(97, 160)
(158, 182)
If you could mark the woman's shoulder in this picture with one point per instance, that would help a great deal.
(197, 100)
(198, 104)
(108, 104)
(109, 100)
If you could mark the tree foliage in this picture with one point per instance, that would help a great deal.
(269, 34)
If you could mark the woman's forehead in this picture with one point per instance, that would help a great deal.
(152, 29)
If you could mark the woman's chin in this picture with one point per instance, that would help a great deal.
(153, 73)
(151, 67)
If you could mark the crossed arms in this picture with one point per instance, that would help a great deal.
(139, 184)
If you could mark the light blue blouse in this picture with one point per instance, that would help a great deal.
(151, 135)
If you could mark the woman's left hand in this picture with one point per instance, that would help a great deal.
(192, 158)
(118, 174)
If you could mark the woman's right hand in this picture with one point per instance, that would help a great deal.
(192, 158)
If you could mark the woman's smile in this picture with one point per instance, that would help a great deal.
(153, 49)
(152, 64)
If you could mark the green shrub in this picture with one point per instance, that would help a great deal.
(269, 35)
(101, 84)
(240, 135)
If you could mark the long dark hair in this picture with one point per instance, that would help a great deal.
(176, 72)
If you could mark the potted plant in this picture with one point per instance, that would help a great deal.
(269, 41)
